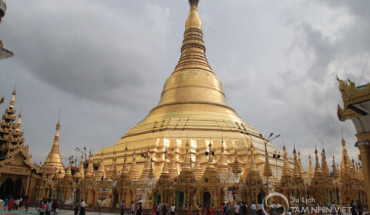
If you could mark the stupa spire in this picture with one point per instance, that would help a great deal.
(198, 172)
(147, 165)
(54, 159)
(134, 174)
(193, 20)
(236, 169)
(124, 166)
(310, 171)
(335, 174)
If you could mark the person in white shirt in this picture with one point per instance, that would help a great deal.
(253, 207)
(237, 208)
(172, 209)
(82, 209)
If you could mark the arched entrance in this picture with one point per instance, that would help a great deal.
(7, 188)
(115, 198)
(261, 196)
(206, 199)
(180, 199)
(157, 199)
(18, 189)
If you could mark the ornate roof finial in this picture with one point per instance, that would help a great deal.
(193, 20)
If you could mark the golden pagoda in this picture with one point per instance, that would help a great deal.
(192, 108)
(54, 161)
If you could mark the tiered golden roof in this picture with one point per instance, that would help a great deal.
(192, 107)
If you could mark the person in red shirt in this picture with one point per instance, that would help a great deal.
(11, 204)
(27, 203)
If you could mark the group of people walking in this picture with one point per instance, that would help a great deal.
(49, 206)
(15, 204)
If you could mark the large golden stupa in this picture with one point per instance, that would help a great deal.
(192, 109)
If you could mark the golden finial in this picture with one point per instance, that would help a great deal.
(193, 20)
(2, 100)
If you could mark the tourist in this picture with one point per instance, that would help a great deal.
(333, 208)
(27, 203)
(227, 209)
(237, 208)
(154, 209)
(208, 210)
(320, 208)
(259, 209)
(77, 205)
(6, 203)
(173, 208)
(254, 208)
(122, 207)
(200, 210)
(157, 210)
(82, 209)
(353, 208)
(164, 209)
(244, 208)
(11, 204)
(49, 207)
(139, 208)
(190, 212)
(55, 206)
(213, 210)
(43, 207)
(132, 208)
(359, 208)
(16, 204)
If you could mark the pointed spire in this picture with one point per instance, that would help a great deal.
(286, 168)
(101, 174)
(114, 165)
(317, 164)
(324, 165)
(54, 159)
(236, 169)
(2, 100)
(173, 165)
(69, 168)
(334, 174)
(193, 20)
(165, 165)
(198, 172)
(12, 101)
(134, 173)
(222, 165)
(147, 165)
(267, 172)
(90, 167)
(125, 166)
(310, 171)
(187, 161)
(301, 170)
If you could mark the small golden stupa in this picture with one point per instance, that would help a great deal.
(192, 109)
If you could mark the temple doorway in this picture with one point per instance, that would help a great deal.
(206, 199)
(115, 198)
(7, 189)
(157, 199)
(260, 197)
(180, 199)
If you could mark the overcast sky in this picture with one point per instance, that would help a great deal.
(104, 63)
